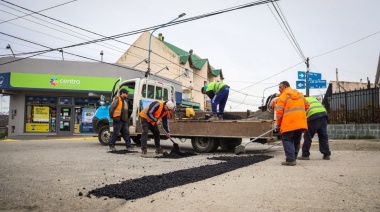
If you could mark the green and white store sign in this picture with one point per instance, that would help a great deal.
(61, 82)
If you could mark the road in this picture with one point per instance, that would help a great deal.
(56, 175)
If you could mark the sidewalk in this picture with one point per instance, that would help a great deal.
(50, 137)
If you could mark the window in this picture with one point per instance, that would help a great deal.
(185, 73)
(40, 114)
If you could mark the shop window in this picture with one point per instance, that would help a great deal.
(85, 109)
(40, 114)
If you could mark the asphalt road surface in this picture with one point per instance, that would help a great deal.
(53, 174)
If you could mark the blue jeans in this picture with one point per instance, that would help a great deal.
(120, 127)
(291, 142)
(318, 126)
(220, 99)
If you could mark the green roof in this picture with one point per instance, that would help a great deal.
(197, 62)
(216, 72)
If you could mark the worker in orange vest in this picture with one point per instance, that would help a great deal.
(119, 114)
(152, 116)
(291, 120)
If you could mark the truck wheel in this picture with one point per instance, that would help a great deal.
(104, 135)
(204, 144)
(137, 140)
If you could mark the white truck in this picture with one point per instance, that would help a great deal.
(205, 136)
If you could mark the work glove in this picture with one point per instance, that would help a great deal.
(158, 122)
(277, 129)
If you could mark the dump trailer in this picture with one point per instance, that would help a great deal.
(205, 136)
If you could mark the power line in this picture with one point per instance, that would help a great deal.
(38, 11)
(288, 29)
(349, 44)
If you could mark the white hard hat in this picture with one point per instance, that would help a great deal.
(170, 105)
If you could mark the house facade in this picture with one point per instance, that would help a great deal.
(170, 61)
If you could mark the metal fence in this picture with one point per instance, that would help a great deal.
(353, 107)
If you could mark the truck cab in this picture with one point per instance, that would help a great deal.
(141, 92)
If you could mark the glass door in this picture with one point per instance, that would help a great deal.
(65, 123)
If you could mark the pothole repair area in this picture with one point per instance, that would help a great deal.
(148, 185)
(122, 152)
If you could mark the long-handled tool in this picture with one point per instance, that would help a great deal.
(241, 148)
(175, 145)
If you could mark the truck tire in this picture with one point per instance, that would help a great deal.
(104, 135)
(137, 139)
(204, 144)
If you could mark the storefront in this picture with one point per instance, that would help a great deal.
(61, 115)
(52, 97)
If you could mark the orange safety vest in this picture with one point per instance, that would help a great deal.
(144, 113)
(291, 111)
(117, 111)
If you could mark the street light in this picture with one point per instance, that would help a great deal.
(9, 47)
(161, 70)
(150, 40)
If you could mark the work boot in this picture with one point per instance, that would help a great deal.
(286, 163)
(220, 116)
(130, 147)
(326, 157)
(159, 150)
(144, 152)
(214, 118)
(112, 148)
(303, 158)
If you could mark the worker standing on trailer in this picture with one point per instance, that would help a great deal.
(152, 116)
(317, 123)
(291, 120)
(119, 114)
(218, 93)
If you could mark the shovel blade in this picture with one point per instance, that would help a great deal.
(239, 150)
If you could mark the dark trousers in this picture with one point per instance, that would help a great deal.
(146, 126)
(318, 126)
(219, 99)
(291, 142)
(120, 127)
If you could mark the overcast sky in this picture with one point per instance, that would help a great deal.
(249, 44)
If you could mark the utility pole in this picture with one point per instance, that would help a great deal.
(337, 80)
(307, 76)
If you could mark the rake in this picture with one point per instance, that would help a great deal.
(241, 148)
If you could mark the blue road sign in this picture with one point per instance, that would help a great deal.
(315, 76)
(301, 75)
(317, 84)
(300, 85)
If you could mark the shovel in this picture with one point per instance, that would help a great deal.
(241, 148)
(175, 145)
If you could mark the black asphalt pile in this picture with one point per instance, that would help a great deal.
(261, 115)
(148, 185)
(121, 152)
(176, 153)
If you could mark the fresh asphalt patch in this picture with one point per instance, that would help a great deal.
(148, 185)
(122, 152)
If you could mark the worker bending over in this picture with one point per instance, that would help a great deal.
(218, 93)
(152, 116)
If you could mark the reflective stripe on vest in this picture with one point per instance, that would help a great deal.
(315, 107)
(117, 111)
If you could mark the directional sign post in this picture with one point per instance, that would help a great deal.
(317, 84)
(315, 76)
(300, 85)
(301, 75)
(314, 80)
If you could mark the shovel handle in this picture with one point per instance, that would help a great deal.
(167, 133)
(260, 136)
